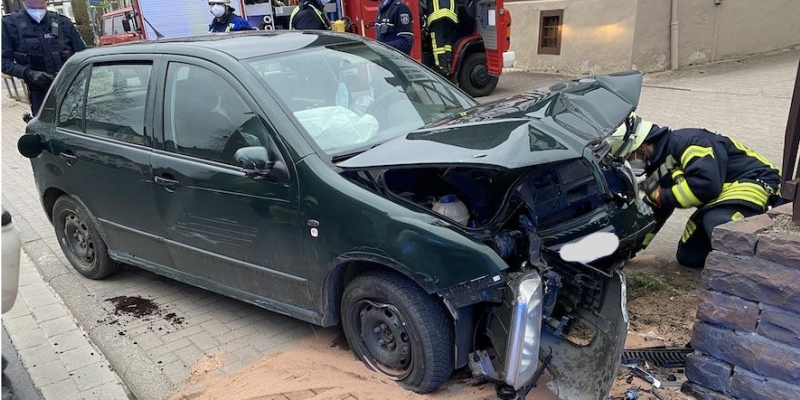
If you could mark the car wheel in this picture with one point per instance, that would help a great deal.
(80, 241)
(397, 329)
(474, 78)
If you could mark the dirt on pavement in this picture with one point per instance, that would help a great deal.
(662, 303)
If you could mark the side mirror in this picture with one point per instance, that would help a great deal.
(257, 164)
(126, 25)
(30, 146)
(590, 248)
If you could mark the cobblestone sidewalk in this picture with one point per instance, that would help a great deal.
(62, 362)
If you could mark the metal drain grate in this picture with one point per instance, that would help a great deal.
(663, 358)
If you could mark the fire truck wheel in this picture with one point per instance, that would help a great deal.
(474, 76)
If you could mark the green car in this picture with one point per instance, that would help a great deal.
(332, 179)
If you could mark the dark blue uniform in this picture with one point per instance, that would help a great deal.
(393, 26)
(309, 15)
(230, 23)
(723, 178)
(36, 51)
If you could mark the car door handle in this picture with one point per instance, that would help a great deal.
(170, 184)
(68, 157)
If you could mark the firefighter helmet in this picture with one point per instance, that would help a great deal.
(640, 130)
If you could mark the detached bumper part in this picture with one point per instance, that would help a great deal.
(524, 335)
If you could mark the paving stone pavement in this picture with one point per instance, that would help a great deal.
(154, 355)
(62, 362)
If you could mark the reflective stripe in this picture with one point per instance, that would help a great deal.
(737, 216)
(693, 152)
(647, 239)
(688, 231)
(743, 191)
(439, 12)
(684, 195)
(751, 153)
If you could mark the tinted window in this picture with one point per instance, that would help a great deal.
(116, 101)
(70, 116)
(107, 26)
(205, 117)
(118, 26)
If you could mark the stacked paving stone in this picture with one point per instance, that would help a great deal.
(747, 337)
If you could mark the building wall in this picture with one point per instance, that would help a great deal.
(650, 51)
(597, 35)
(611, 35)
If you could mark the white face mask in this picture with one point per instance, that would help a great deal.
(36, 13)
(218, 10)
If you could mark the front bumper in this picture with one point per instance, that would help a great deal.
(583, 371)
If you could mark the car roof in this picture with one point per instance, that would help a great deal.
(240, 45)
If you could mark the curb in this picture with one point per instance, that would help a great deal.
(131, 363)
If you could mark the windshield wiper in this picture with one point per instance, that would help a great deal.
(342, 157)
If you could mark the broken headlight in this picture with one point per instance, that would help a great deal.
(522, 352)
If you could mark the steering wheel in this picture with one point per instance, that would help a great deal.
(380, 106)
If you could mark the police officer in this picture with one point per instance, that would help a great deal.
(442, 23)
(393, 26)
(309, 15)
(36, 43)
(721, 177)
(225, 20)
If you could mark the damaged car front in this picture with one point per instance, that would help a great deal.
(527, 176)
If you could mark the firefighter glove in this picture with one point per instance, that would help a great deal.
(655, 196)
(39, 78)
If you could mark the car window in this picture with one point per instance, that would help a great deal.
(70, 115)
(355, 95)
(205, 117)
(115, 102)
(118, 26)
(107, 26)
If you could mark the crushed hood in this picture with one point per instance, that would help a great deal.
(531, 128)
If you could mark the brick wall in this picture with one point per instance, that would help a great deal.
(747, 334)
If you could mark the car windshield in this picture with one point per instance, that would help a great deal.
(352, 96)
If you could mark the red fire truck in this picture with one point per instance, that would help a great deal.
(480, 53)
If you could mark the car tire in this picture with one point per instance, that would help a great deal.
(474, 78)
(377, 309)
(80, 241)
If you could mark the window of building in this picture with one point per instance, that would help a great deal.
(550, 23)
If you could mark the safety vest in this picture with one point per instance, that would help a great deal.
(42, 55)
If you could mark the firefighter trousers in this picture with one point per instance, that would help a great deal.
(442, 36)
(695, 243)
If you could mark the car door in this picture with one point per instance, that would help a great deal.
(103, 144)
(222, 226)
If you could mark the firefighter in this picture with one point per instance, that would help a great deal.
(721, 177)
(442, 21)
(309, 15)
(225, 20)
(393, 25)
(36, 43)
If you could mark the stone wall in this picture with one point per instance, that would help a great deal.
(747, 337)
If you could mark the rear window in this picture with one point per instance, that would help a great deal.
(113, 104)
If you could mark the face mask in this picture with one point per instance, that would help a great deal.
(218, 10)
(36, 13)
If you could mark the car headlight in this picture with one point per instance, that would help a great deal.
(522, 353)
